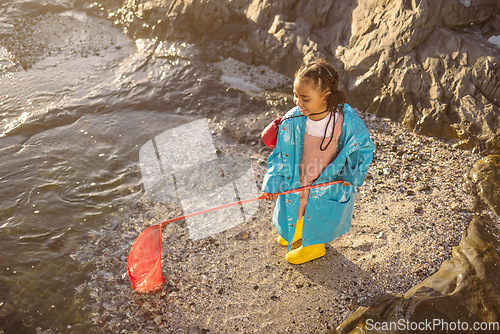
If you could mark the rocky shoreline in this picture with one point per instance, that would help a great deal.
(410, 213)
(431, 65)
(433, 73)
(424, 242)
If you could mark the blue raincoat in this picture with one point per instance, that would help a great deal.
(329, 209)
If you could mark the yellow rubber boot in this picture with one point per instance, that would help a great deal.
(298, 233)
(305, 254)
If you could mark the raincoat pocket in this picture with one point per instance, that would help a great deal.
(339, 216)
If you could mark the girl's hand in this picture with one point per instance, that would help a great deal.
(269, 196)
(345, 183)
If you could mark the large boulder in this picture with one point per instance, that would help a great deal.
(426, 63)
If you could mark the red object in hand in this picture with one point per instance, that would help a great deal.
(270, 133)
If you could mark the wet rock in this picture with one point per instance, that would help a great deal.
(6, 29)
(10, 317)
(485, 182)
(464, 289)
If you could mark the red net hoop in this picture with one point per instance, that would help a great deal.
(144, 261)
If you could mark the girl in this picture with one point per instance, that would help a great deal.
(330, 143)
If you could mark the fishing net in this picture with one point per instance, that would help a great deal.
(144, 258)
(144, 261)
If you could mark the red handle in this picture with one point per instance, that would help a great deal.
(248, 201)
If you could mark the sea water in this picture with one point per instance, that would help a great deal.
(78, 100)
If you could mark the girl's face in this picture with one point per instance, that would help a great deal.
(309, 99)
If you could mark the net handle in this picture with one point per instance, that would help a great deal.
(247, 201)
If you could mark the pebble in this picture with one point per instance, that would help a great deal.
(242, 236)
(425, 187)
(158, 320)
(108, 276)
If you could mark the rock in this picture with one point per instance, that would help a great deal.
(6, 29)
(455, 207)
(11, 318)
(242, 236)
(424, 187)
(158, 320)
(485, 182)
(108, 276)
(428, 63)
(464, 289)
(411, 80)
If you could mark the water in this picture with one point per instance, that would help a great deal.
(78, 99)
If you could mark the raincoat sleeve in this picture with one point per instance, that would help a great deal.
(274, 178)
(358, 161)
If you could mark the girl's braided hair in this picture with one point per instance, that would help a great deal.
(324, 77)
